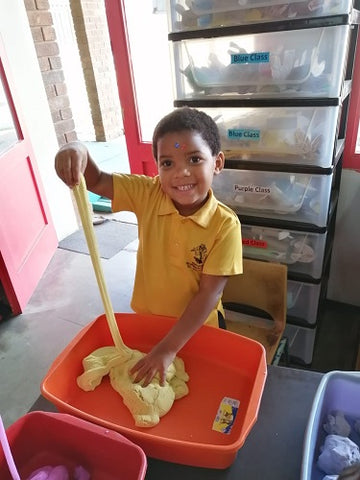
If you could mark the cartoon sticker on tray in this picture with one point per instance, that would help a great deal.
(226, 415)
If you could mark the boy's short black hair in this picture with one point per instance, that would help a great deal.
(186, 118)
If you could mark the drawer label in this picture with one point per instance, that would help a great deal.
(251, 242)
(256, 189)
(243, 134)
(255, 57)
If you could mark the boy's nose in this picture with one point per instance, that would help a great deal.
(183, 171)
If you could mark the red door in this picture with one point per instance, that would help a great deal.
(141, 58)
(27, 235)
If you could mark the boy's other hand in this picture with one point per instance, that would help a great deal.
(155, 362)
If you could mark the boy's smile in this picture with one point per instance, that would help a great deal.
(186, 169)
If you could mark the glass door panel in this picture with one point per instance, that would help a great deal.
(147, 29)
(8, 132)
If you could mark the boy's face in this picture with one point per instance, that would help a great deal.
(186, 169)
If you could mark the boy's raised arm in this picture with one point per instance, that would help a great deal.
(74, 159)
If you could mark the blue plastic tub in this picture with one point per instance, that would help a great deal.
(337, 391)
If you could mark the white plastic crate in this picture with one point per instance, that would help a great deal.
(296, 63)
(302, 252)
(298, 197)
(289, 135)
(301, 342)
(303, 300)
(187, 15)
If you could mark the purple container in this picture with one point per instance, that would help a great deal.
(337, 391)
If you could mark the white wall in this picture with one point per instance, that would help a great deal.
(17, 39)
(344, 281)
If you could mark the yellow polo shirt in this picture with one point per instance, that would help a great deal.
(174, 250)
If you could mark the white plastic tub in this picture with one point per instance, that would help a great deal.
(296, 63)
(338, 391)
(303, 300)
(297, 197)
(302, 252)
(301, 341)
(289, 135)
(187, 15)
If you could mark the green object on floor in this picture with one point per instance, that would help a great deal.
(99, 204)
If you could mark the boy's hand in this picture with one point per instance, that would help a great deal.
(70, 162)
(155, 362)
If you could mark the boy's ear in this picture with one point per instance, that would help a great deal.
(219, 163)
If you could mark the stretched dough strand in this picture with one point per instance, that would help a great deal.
(85, 212)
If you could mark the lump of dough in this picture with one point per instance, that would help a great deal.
(338, 453)
(146, 404)
(337, 424)
(48, 472)
(357, 426)
(59, 472)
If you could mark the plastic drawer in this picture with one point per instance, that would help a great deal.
(302, 252)
(303, 301)
(297, 197)
(295, 63)
(187, 15)
(301, 341)
(289, 135)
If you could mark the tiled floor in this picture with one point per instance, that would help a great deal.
(67, 298)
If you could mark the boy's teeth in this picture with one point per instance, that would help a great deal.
(184, 187)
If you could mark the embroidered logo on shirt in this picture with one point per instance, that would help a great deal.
(199, 257)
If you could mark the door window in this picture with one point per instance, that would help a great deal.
(8, 132)
(150, 63)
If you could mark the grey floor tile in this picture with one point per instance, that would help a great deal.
(28, 344)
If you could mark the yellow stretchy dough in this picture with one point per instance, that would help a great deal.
(146, 404)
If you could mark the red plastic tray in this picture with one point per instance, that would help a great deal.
(39, 438)
(220, 364)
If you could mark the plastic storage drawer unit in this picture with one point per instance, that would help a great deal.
(301, 341)
(302, 252)
(289, 135)
(295, 197)
(194, 14)
(303, 301)
(296, 63)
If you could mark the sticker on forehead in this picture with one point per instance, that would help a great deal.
(182, 147)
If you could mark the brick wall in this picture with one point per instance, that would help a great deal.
(43, 32)
(95, 52)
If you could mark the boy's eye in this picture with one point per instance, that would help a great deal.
(195, 159)
(165, 163)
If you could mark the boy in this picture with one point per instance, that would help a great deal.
(189, 243)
